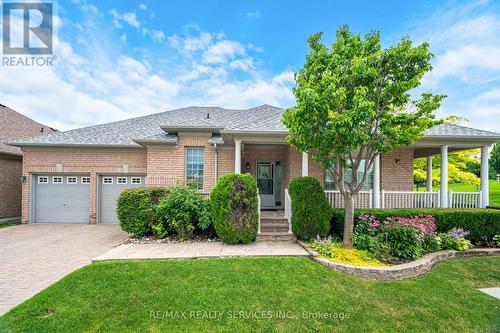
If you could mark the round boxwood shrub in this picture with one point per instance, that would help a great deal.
(135, 209)
(311, 211)
(234, 208)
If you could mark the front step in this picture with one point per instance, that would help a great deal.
(275, 237)
(274, 226)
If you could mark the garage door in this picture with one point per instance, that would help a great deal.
(110, 188)
(61, 198)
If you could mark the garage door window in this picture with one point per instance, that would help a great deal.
(121, 180)
(85, 180)
(72, 180)
(43, 180)
(107, 180)
(135, 180)
(194, 167)
(57, 180)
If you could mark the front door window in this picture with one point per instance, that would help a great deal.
(265, 177)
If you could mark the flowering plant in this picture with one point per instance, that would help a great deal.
(406, 238)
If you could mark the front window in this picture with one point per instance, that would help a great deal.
(368, 184)
(195, 158)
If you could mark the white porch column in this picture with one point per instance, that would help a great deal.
(237, 156)
(376, 182)
(443, 188)
(305, 164)
(484, 177)
(429, 174)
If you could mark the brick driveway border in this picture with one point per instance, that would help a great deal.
(34, 256)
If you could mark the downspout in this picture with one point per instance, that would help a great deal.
(215, 162)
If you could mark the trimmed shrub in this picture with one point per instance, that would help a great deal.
(480, 223)
(234, 208)
(135, 209)
(183, 211)
(311, 212)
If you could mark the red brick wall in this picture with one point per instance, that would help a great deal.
(396, 170)
(10, 186)
(167, 163)
(90, 161)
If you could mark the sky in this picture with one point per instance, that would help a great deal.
(122, 59)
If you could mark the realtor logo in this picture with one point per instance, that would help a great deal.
(27, 28)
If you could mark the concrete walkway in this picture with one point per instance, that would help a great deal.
(201, 250)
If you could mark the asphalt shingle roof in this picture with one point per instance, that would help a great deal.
(14, 126)
(264, 118)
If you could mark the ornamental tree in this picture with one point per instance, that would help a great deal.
(353, 103)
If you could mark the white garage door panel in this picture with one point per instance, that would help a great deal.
(64, 203)
(109, 194)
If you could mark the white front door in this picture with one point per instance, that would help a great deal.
(265, 182)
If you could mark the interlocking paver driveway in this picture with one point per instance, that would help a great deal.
(34, 256)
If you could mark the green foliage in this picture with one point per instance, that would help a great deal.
(462, 244)
(355, 96)
(481, 223)
(135, 209)
(183, 211)
(335, 252)
(234, 207)
(495, 162)
(463, 167)
(311, 212)
(496, 239)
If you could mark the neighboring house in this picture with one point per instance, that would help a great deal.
(13, 125)
(77, 175)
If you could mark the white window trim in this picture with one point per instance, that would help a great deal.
(136, 180)
(72, 177)
(104, 180)
(119, 178)
(85, 182)
(56, 177)
(43, 177)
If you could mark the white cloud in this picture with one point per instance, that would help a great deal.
(253, 15)
(129, 17)
(143, 6)
(465, 40)
(222, 51)
(82, 90)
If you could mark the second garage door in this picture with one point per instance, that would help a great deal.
(110, 188)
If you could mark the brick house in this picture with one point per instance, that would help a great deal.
(14, 126)
(77, 175)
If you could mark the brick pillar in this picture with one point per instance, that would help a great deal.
(93, 198)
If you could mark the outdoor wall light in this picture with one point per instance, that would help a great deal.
(22, 179)
(247, 166)
(396, 160)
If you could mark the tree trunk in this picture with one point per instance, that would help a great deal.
(348, 221)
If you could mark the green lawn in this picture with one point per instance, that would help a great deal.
(5, 225)
(494, 190)
(122, 296)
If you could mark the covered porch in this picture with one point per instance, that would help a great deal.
(274, 164)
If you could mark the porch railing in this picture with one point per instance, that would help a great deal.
(258, 210)
(408, 199)
(288, 210)
(464, 199)
(364, 199)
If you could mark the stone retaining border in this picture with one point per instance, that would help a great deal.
(402, 271)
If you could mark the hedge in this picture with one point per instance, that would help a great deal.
(234, 208)
(311, 212)
(481, 223)
(135, 209)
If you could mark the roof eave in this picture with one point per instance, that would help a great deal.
(277, 132)
(175, 129)
(89, 145)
